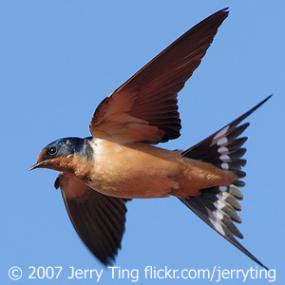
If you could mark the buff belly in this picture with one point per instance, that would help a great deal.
(145, 171)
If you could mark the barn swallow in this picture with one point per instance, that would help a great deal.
(119, 162)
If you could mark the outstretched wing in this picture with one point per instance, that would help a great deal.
(145, 107)
(98, 219)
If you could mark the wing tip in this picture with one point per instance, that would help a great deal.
(224, 11)
(216, 19)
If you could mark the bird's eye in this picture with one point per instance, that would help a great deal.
(52, 150)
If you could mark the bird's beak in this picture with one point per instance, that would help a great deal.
(37, 165)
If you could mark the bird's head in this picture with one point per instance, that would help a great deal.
(61, 154)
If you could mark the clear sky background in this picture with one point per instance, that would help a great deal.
(59, 59)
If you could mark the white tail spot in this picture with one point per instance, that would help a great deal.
(225, 166)
(222, 141)
(223, 188)
(223, 150)
(225, 158)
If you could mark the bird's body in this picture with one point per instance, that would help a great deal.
(141, 170)
(100, 174)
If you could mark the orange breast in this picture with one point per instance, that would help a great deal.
(133, 171)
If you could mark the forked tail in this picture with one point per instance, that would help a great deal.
(218, 206)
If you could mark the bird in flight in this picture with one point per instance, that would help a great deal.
(100, 174)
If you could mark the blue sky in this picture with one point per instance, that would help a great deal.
(59, 59)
